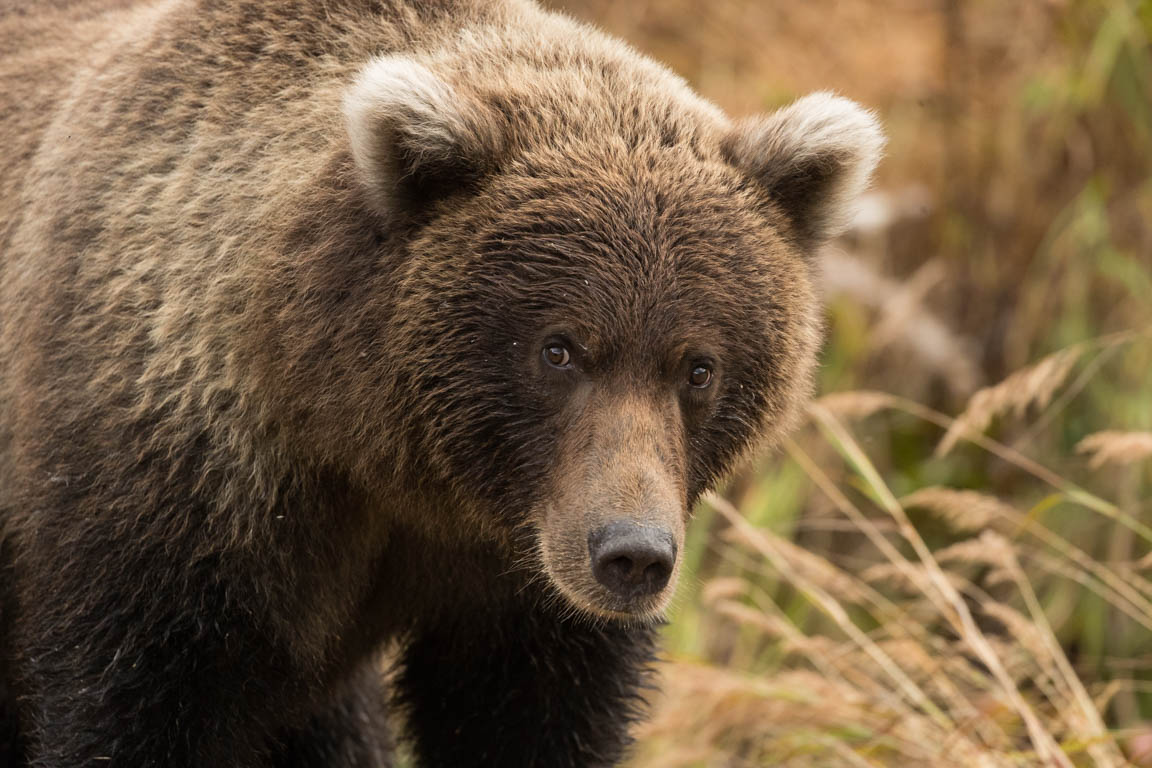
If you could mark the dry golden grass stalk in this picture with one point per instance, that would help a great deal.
(961, 510)
(1115, 447)
(726, 588)
(856, 404)
(714, 717)
(915, 575)
(893, 696)
(805, 565)
(938, 587)
(1121, 587)
(907, 580)
(768, 545)
(1029, 386)
(1080, 712)
(1022, 462)
(820, 651)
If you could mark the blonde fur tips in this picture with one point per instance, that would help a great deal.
(814, 157)
(407, 127)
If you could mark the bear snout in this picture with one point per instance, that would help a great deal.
(631, 560)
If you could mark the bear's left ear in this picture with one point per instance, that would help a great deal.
(813, 159)
(415, 138)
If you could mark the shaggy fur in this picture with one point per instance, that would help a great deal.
(275, 278)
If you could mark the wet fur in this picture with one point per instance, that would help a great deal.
(269, 404)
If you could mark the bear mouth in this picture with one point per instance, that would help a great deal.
(638, 612)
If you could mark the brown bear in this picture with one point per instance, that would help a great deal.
(335, 328)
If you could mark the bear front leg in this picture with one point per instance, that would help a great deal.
(524, 689)
(140, 671)
(351, 733)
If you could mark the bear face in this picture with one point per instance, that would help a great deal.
(611, 307)
(618, 340)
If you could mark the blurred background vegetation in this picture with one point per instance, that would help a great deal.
(951, 565)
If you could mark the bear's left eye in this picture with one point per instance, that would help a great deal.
(557, 355)
(701, 376)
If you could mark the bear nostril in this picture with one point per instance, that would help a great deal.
(655, 572)
(621, 567)
(615, 571)
(632, 560)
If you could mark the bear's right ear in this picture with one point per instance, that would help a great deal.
(414, 138)
(813, 159)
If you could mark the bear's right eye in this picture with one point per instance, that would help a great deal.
(557, 356)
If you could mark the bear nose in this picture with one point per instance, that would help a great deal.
(632, 560)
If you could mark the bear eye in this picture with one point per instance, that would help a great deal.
(701, 376)
(557, 355)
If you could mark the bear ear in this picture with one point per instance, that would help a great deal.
(813, 159)
(414, 138)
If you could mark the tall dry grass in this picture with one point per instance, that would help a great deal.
(927, 639)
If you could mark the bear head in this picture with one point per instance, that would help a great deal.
(608, 294)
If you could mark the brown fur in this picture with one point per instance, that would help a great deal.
(270, 375)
